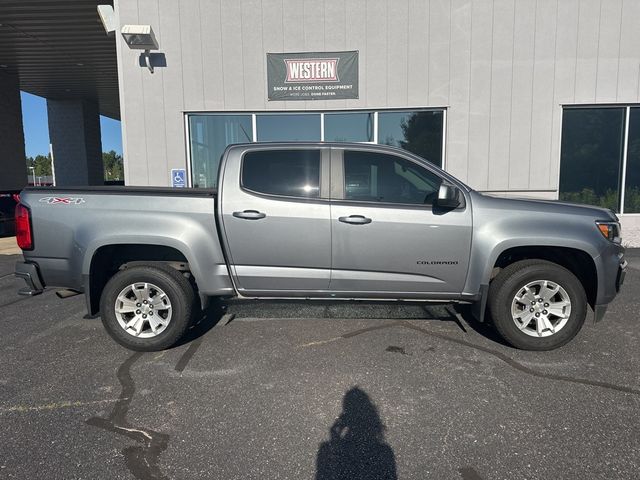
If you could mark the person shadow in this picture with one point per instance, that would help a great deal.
(356, 449)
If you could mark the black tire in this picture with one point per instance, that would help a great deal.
(178, 290)
(511, 280)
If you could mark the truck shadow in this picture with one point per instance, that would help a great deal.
(205, 320)
(482, 328)
(458, 314)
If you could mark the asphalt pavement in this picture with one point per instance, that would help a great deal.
(311, 390)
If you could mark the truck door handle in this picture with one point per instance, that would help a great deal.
(250, 215)
(355, 220)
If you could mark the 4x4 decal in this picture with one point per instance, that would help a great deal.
(62, 200)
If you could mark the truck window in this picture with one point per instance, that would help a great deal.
(378, 177)
(292, 173)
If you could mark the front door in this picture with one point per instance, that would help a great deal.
(276, 223)
(388, 239)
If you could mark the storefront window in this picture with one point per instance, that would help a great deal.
(591, 157)
(418, 132)
(348, 127)
(287, 127)
(209, 136)
(632, 187)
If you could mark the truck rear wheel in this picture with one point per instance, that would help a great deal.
(147, 308)
(537, 305)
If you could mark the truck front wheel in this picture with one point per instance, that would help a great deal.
(147, 308)
(537, 305)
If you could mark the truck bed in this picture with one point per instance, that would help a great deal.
(129, 190)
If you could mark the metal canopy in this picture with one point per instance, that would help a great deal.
(59, 50)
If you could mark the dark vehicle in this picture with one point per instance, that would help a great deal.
(7, 214)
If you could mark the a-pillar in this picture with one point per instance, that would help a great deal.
(74, 133)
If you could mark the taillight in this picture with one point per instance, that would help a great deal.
(23, 227)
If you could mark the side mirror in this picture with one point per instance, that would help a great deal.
(448, 196)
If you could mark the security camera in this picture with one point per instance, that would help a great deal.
(108, 19)
(139, 37)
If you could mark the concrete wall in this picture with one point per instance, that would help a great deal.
(503, 68)
(13, 165)
(74, 132)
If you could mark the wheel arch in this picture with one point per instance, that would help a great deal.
(106, 260)
(577, 261)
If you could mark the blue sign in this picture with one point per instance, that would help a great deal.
(178, 177)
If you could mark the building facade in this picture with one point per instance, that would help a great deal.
(519, 98)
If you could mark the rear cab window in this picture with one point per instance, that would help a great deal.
(289, 173)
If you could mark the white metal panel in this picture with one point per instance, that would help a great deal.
(191, 42)
(418, 53)
(377, 53)
(355, 35)
(501, 98)
(587, 51)
(171, 116)
(458, 113)
(153, 97)
(272, 39)
(608, 52)
(213, 55)
(233, 61)
(628, 69)
(503, 111)
(397, 53)
(439, 51)
(480, 95)
(543, 103)
(132, 98)
(253, 59)
(522, 95)
(566, 47)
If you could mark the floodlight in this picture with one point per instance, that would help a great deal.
(140, 37)
(108, 18)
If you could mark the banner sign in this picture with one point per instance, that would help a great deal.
(312, 76)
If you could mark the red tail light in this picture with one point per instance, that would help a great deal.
(23, 227)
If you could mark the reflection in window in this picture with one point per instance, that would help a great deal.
(376, 177)
(293, 173)
(632, 187)
(418, 132)
(348, 127)
(209, 136)
(288, 127)
(591, 158)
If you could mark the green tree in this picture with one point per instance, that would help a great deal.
(423, 135)
(41, 165)
(113, 166)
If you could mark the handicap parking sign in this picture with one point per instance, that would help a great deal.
(178, 177)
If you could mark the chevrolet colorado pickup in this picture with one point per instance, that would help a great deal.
(322, 221)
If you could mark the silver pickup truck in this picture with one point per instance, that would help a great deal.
(322, 221)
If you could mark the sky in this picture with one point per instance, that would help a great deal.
(36, 128)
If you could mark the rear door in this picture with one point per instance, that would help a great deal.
(388, 237)
(276, 220)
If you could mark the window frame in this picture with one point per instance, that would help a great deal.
(322, 112)
(625, 145)
(324, 177)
